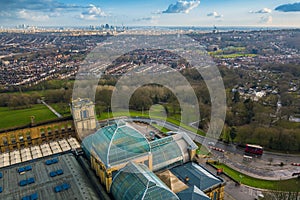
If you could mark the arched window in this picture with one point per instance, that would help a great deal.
(21, 138)
(56, 129)
(12, 139)
(42, 131)
(49, 131)
(4, 140)
(69, 127)
(28, 135)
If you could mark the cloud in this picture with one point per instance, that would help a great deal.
(262, 11)
(35, 5)
(33, 16)
(266, 19)
(92, 13)
(182, 7)
(214, 14)
(35, 10)
(152, 19)
(289, 7)
(143, 19)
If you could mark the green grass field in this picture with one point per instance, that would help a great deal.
(62, 108)
(283, 185)
(13, 118)
(235, 55)
(161, 128)
(105, 115)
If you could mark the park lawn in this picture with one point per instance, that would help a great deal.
(13, 118)
(232, 48)
(161, 128)
(235, 55)
(176, 122)
(106, 115)
(202, 150)
(132, 113)
(283, 185)
(62, 108)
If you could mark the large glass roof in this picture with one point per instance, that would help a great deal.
(166, 155)
(116, 143)
(137, 182)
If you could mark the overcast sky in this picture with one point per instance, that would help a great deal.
(150, 12)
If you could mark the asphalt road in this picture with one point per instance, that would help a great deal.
(286, 158)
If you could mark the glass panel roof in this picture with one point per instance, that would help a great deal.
(116, 143)
(165, 155)
(140, 183)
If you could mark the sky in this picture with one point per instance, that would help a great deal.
(264, 13)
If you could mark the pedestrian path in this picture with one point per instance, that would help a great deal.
(52, 109)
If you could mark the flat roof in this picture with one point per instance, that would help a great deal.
(73, 175)
(197, 176)
(37, 151)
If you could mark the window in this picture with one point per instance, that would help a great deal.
(215, 195)
(21, 138)
(4, 139)
(12, 139)
(49, 131)
(84, 114)
(56, 129)
(42, 131)
(28, 136)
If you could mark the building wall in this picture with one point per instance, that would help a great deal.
(217, 193)
(20, 138)
(105, 174)
(83, 111)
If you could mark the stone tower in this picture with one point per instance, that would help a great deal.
(83, 111)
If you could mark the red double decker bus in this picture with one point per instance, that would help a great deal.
(254, 149)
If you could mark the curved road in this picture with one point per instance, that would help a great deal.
(259, 167)
(199, 138)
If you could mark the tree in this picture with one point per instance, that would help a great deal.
(140, 100)
(236, 97)
(232, 133)
(13, 102)
(225, 134)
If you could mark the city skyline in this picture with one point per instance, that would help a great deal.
(276, 13)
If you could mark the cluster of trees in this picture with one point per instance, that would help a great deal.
(142, 99)
(246, 121)
(43, 86)
(282, 195)
(26, 100)
(252, 122)
(18, 100)
(58, 96)
(275, 138)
